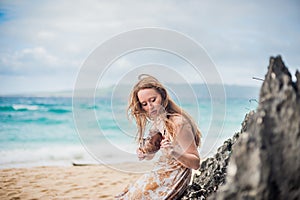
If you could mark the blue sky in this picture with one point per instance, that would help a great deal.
(43, 44)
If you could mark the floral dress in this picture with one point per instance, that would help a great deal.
(167, 180)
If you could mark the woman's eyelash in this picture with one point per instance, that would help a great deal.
(152, 100)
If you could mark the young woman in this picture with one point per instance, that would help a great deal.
(175, 134)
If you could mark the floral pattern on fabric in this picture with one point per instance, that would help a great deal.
(167, 180)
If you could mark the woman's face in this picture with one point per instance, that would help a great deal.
(150, 101)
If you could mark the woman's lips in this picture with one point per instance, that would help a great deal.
(153, 112)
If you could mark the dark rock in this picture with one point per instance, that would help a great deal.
(265, 162)
(262, 161)
(212, 171)
(298, 81)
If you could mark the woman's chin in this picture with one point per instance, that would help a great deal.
(153, 114)
(153, 117)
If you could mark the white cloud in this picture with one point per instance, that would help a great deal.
(57, 36)
(31, 61)
(46, 35)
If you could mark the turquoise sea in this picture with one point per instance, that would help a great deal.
(36, 131)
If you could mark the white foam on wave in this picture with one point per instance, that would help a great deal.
(54, 155)
(24, 107)
(63, 155)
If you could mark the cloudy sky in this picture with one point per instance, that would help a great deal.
(43, 44)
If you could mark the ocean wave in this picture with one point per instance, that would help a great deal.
(89, 107)
(60, 155)
(59, 110)
(42, 121)
(47, 156)
(6, 108)
(19, 107)
(24, 107)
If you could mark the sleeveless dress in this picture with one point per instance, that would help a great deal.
(167, 180)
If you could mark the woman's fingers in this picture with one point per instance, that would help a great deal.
(140, 154)
(165, 143)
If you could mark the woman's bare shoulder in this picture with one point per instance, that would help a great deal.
(179, 119)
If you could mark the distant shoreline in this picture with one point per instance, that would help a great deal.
(232, 91)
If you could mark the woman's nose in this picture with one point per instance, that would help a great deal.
(150, 105)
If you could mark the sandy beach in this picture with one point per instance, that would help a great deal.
(74, 182)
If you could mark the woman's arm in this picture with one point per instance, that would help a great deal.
(186, 149)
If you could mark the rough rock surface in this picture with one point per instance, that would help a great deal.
(264, 163)
(212, 171)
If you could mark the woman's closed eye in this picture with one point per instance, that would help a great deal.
(151, 100)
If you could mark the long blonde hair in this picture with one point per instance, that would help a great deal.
(136, 111)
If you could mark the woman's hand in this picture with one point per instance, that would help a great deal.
(171, 148)
(141, 155)
(166, 144)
